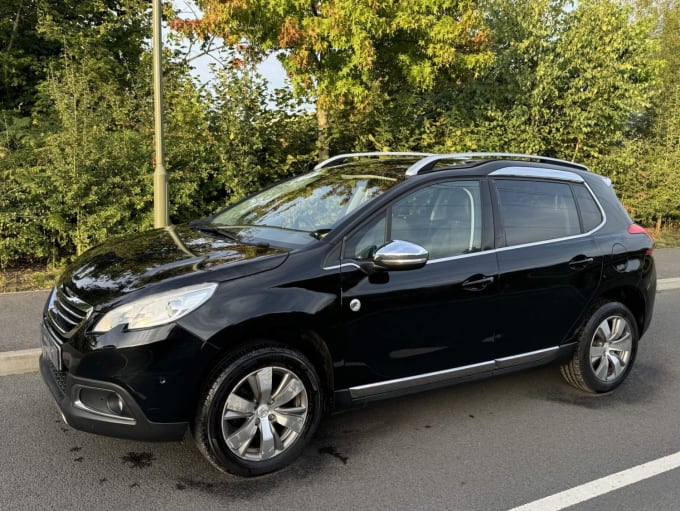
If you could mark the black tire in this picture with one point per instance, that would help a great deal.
(588, 370)
(283, 444)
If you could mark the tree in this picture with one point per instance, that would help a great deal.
(349, 54)
(648, 176)
(555, 88)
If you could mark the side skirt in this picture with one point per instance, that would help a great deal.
(412, 384)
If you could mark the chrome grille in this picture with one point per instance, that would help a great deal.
(66, 312)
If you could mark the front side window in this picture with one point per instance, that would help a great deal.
(444, 218)
(536, 210)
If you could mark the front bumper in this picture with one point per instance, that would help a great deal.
(104, 408)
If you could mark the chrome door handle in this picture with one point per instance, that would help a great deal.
(580, 262)
(477, 284)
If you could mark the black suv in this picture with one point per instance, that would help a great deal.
(374, 275)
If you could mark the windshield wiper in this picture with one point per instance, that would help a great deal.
(214, 229)
(319, 234)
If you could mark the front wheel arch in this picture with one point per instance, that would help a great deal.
(286, 332)
(272, 440)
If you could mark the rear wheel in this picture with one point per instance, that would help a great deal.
(606, 349)
(260, 410)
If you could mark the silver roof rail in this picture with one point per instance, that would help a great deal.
(429, 162)
(338, 159)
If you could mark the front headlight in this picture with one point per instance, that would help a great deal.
(157, 309)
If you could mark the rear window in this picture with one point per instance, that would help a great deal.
(536, 210)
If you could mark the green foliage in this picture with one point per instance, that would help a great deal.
(597, 81)
(349, 54)
(648, 174)
(256, 142)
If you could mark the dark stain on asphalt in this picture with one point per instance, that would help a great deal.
(253, 489)
(138, 459)
(75, 449)
(329, 449)
(471, 416)
(640, 386)
(427, 426)
(193, 484)
(589, 401)
(79, 459)
(103, 480)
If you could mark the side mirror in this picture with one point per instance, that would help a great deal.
(400, 255)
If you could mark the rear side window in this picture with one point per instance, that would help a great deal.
(536, 210)
(590, 213)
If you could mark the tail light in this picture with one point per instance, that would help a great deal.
(638, 229)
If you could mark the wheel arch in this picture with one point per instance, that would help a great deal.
(291, 331)
(633, 299)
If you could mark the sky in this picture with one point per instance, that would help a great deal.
(270, 68)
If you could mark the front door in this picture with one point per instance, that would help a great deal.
(405, 323)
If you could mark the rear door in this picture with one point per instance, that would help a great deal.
(549, 264)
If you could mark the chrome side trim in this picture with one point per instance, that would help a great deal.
(337, 159)
(541, 173)
(532, 356)
(408, 382)
(421, 379)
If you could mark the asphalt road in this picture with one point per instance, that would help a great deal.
(488, 445)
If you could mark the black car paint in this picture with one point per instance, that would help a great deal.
(302, 297)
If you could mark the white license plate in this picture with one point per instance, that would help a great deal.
(51, 349)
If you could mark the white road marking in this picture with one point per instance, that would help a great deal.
(603, 485)
(666, 284)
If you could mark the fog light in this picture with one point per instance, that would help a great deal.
(115, 403)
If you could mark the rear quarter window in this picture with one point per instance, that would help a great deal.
(590, 213)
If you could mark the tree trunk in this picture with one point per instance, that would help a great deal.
(15, 27)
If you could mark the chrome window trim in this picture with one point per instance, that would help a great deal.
(538, 172)
(512, 247)
(472, 217)
(381, 387)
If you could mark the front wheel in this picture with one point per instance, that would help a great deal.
(260, 410)
(606, 349)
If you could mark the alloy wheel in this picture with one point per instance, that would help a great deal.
(264, 413)
(610, 348)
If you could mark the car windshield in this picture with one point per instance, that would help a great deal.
(305, 207)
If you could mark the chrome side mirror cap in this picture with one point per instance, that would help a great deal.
(400, 255)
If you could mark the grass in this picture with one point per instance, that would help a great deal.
(666, 237)
(28, 279)
(31, 279)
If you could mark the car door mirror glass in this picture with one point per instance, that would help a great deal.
(400, 255)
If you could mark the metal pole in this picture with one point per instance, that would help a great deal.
(160, 176)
